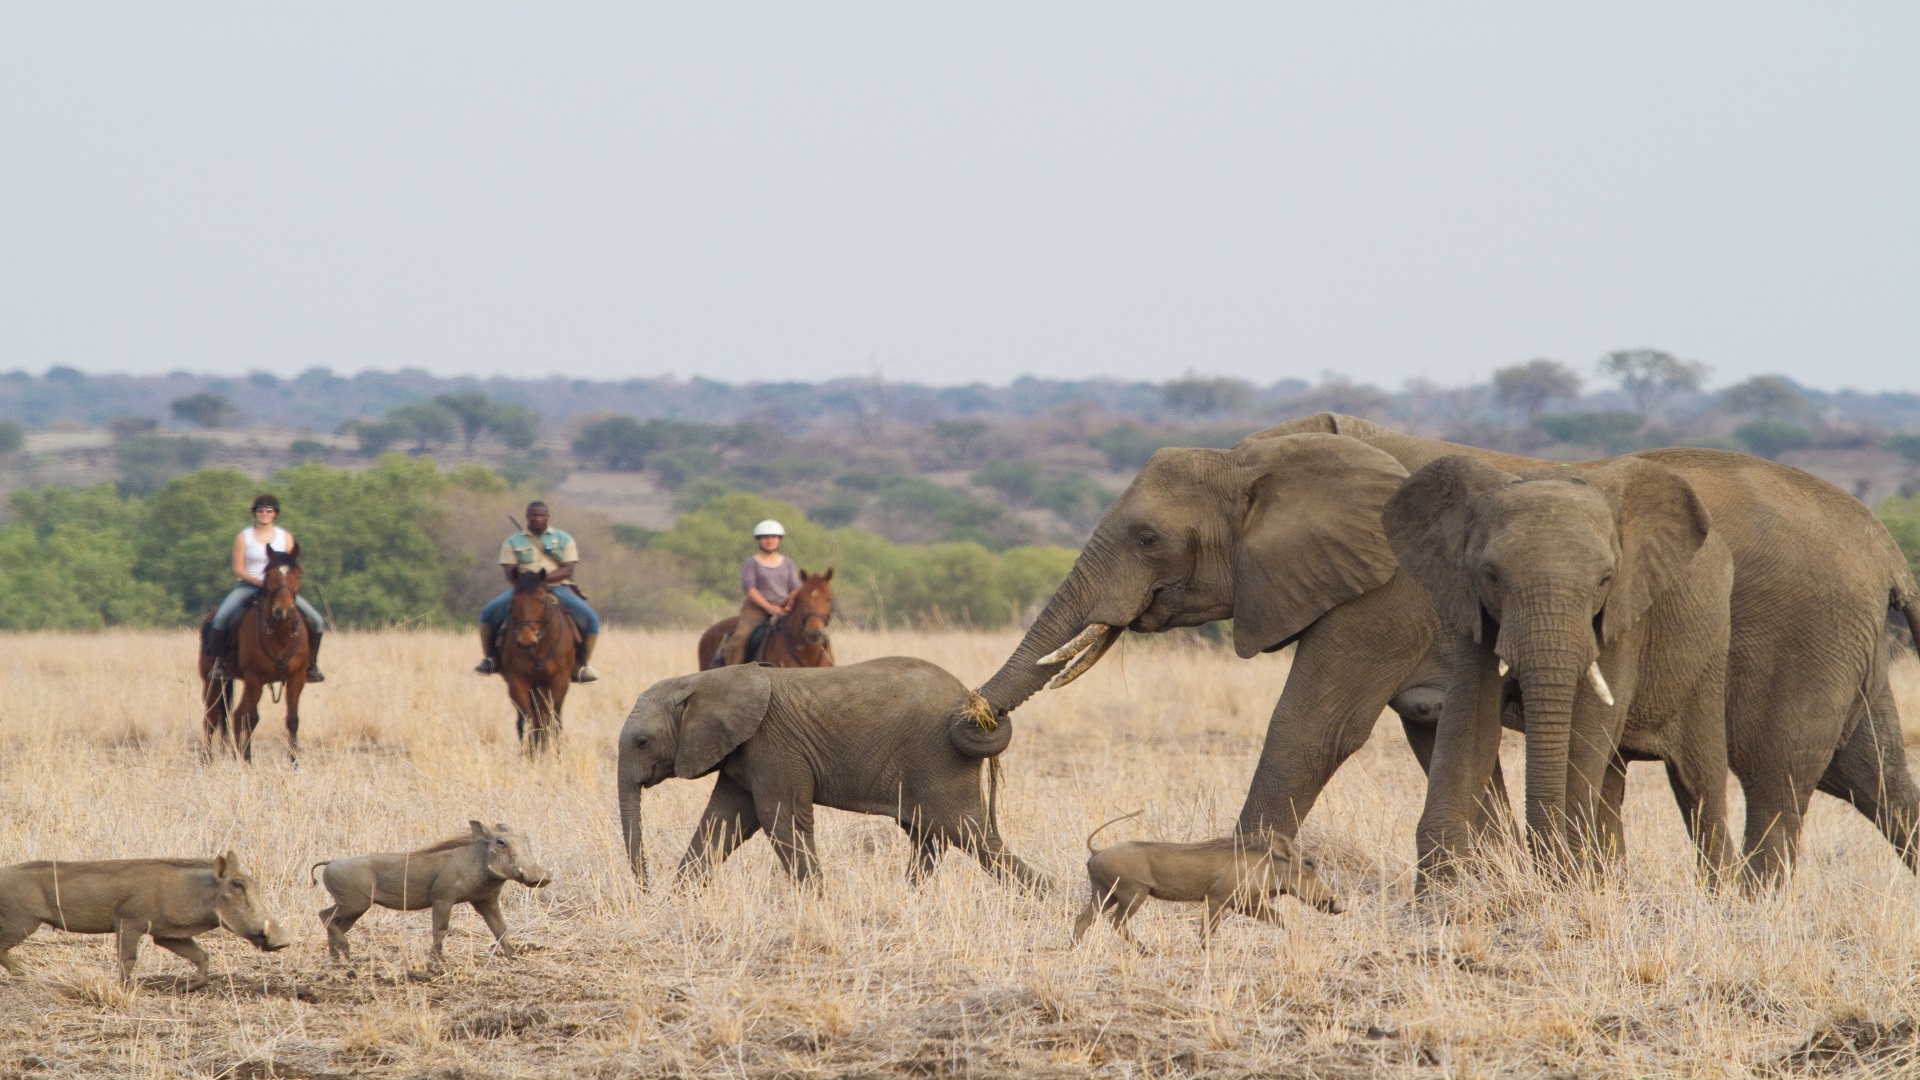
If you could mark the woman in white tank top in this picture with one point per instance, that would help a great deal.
(249, 565)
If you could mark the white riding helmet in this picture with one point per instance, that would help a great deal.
(768, 527)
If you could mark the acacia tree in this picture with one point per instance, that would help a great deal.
(1530, 386)
(1650, 376)
(1770, 396)
(204, 409)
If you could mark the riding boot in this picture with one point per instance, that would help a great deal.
(313, 657)
(585, 673)
(214, 643)
(490, 651)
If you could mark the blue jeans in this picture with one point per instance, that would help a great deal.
(243, 592)
(584, 617)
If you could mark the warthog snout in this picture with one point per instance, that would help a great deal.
(272, 939)
(535, 877)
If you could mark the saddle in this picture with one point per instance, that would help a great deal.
(756, 646)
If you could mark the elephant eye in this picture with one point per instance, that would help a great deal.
(1606, 579)
(639, 741)
(1146, 539)
(1490, 573)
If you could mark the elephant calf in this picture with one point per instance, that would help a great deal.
(873, 738)
(1233, 873)
(170, 899)
(469, 869)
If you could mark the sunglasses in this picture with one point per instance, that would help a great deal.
(267, 510)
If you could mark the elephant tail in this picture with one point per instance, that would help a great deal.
(1111, 821)
(978, 730)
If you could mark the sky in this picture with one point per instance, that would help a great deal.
(1379, 191)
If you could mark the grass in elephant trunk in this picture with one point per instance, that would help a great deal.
(1645, 975)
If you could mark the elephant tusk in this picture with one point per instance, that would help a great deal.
(1503, 667)
(1081, 643)
(1599, 682)
(1085, 658)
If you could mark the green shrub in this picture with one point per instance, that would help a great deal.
(1771, 438)
(1128, 445)
(147, 461)
(12, 436)
(1902, 518)
(1907, 446)
(1606, 430)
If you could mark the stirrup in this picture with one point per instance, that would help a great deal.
(585, 674)
(486, 666)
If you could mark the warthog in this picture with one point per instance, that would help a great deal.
(1233, 873)
(465, 870)
(169, 899)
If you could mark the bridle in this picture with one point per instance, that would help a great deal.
(795, 631)
(265, 614)
(549, 604)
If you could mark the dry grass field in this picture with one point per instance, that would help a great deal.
(1643, 975)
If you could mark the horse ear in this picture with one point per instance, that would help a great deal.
(828, 576)
(804, 575)
(294, 552)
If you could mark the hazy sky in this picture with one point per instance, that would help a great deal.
(1383, 191)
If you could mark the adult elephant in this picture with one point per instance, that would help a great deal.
(1282, 534)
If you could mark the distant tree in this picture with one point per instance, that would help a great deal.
(515, 425)
(1198, 394)
(1532, 385)
(60, 373)
(12, 436)
(1770, 438)
(1650, 376)
(1907, 446)
(960, 437)
(1343, 395)
(428, 425)
(473, 411)
(1769, 396)
(126, 427)
(1607, 430)
(205, 409)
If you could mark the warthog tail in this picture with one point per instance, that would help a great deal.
(311, 880)
(1111, 821)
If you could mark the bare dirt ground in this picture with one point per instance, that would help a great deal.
(1643, 975)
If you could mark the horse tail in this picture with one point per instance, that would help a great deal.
(1111, 821)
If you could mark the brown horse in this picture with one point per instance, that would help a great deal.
(538, 650)
(798, 638)
(271, 648)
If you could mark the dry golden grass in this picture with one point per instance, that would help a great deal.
(1644, 975)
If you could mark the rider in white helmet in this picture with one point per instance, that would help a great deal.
(769, 580)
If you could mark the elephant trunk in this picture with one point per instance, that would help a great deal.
(630, 831)
(1064, 621)
(1549, 664)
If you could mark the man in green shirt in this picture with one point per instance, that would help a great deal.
(530, 551)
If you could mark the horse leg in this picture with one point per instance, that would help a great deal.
(521, 691)
(296, 681)
(246, 718)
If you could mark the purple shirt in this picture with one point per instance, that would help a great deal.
(775, 584)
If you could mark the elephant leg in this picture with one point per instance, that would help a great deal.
(1493, 814)
(1590, 755)
(788, 819)
(729, 821)
(1608, 831)
(1700, 787)
(985, 844)
(1346, 667)
(1466, 747)
(1870, 771)
(928, 845)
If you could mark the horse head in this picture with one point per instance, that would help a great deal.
(813, 606)
(529, 611)
(281, 582)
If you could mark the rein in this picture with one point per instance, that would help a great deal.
(263, 610)
(795, 636)
(550, 605)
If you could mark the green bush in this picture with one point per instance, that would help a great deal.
(1128, 445)
(1907, 446)
(12, 436)
(1606, 430)
(1902, 518)
(1771, 438)
(147, 461)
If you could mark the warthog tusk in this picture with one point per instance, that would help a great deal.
(1599, 682)
(1098, 638)
(1080, 643)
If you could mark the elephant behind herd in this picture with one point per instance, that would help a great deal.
(1284, 534)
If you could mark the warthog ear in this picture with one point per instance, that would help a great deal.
(480, 832)
(226, 865)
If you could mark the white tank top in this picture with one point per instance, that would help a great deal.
(256, 557)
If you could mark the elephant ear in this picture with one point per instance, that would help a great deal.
(722, 709)
(1662, 526)
(1426, 522)
(1309, 536)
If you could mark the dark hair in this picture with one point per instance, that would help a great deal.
(266, 502)
(536, 505)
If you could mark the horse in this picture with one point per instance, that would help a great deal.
(270, 647)
(539, 649)
(796, 639)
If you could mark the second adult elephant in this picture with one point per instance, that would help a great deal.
(1607, 592)
(873, 738)
(1282, 534)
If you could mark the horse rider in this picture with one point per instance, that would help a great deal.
(250, 565)
(769, 580)
(530, 551)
